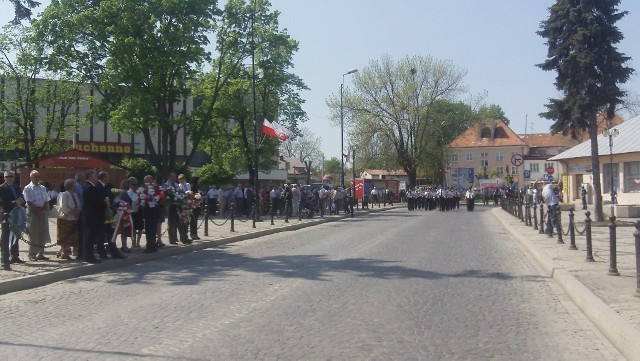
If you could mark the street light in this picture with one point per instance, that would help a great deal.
(342, 129)
(611, 133)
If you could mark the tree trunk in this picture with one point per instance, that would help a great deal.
(595, 170)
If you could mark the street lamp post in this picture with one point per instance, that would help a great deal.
(342, 128)
(611, 133)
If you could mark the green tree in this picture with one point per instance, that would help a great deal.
(332, 166)
(276, 88)
(305, 147)
(492, 111)
(140, 57)
(23, 9)
(581, 39)
(392, 100)
(39, 115)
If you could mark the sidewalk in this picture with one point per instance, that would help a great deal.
(39, 273)
(610, 302)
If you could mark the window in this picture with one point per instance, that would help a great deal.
(606, 176)
(534, 167)
(499, 156)
(547, 165)
(454, 157)
(632, 177)
(485, 133)
(500, 170)
(514, 170)
(469, 156)
(484, 163)
(484, 155)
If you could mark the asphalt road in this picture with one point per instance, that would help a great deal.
(396, 285)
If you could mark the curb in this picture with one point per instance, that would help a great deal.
(46, 278)
(624, 336)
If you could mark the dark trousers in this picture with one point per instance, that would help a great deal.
(150, 216)
(193, 222)
(212, 204)
(93, 236)
(173, 222)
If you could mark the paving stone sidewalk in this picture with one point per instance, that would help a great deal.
(612, 303)
(37, 273)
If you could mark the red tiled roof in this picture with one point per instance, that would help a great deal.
(479, 135)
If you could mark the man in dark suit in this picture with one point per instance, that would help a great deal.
(107, 196)
(10, 197)
(93, 208)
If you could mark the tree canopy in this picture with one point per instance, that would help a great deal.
(581, 39)
(391, 105)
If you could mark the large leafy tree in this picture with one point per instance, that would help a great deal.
(140, 57)
(581, 37)
(392, 99)
(23, 9)
(306, 147)
(39, 115)
(267, 84)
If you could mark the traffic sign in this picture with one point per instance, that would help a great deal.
(550, 170)
(527, 174)
(548, 177)
(517, 160)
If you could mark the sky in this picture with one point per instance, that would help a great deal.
(495, 41)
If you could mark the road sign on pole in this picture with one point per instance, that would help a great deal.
(517, 160)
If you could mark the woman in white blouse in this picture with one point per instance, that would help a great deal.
(68, 229)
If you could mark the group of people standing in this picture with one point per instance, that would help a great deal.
(432, 198)
(90, 216)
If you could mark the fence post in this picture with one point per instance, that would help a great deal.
(520, 206)
(572, 231)
(231, 207)
(587, 230)
(636, 235)
(271, 209)
(559, 224)
(541, 219)
(549, 226)
(206, 219)
(535, 216)
(286, 210)
(613, 263)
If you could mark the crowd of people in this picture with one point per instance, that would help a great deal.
(91, 214)
(432, 198)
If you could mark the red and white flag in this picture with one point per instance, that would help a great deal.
(275, 130)
(347, 156)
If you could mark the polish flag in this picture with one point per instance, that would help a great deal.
(347, 156)
(275, 130)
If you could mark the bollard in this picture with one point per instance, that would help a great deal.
(300, 209)
(271, 211)
(520, 209)
(636, 235)
(206, 220)
(572, 231)
(231, 207)
(549, 227)
(587, 230)
(535, 216)
(541, 219)
(527, 213)
(613, 266)
(286, 210)
(559, 225)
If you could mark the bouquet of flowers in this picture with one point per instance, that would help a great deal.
(190, 200)
(123, 222)
(150, 195)
(173, 197)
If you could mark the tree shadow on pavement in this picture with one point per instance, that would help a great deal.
(220, 264)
